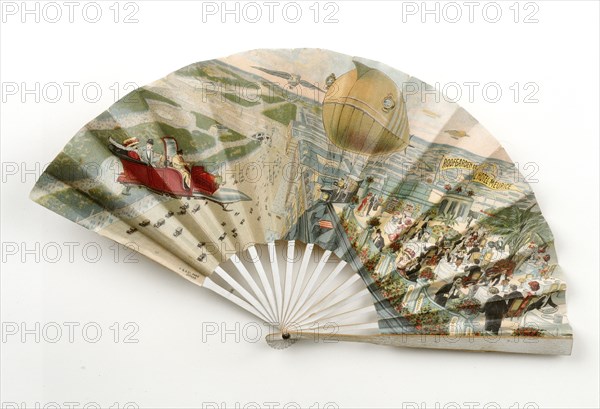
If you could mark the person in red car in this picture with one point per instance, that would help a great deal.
(148, 155)
(182, 166)
(133, 144)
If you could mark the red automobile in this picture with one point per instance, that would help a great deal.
(166, 180)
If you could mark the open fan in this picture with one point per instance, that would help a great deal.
(325, 195)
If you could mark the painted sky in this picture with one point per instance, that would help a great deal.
(440, 122)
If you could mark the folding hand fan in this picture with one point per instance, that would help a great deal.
(327, 195)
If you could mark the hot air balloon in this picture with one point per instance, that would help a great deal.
(364, 113)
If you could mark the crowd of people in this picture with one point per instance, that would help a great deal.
(476, 266)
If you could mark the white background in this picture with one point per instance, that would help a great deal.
(171, 366)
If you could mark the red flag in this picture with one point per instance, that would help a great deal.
(325, 224)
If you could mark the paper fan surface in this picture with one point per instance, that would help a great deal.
(407, 221)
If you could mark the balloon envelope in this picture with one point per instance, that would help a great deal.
(364, 112)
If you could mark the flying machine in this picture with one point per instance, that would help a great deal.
(456, 134)
(293, 80)
(364, 113)
(364, 116)
(164, 179)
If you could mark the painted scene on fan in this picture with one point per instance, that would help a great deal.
(443, 227)
(352, 155)
(453, 247)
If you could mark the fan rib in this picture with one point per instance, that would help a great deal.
(338, 290)
(314, 298)
(311, 283)
(337, 303)
(253, 285)
(289, 270)
(264, 281)
(276, 279)
(243, 292)
(340, 316)
(211, 285)
(299, 281)
(314, 295)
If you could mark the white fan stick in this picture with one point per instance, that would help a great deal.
(326, 329)
(211, 285)
(335, 295)
(276, 279)
(331, 328)
(264, 281)
(289, 270)
(323, 296)
(242, 291)
(299, 281)
(336, 304)
(339, 314)
(348, 327)
(253, 285)
(311, 283)
(314, 297)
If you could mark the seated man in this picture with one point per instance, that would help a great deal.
(181, 165)
(147, 154)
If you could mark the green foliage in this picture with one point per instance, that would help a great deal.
(146, 94)
(203, 121)
(371, 262)
(396, 245)
(231, 137)
(70, 203)
(130, 103)
(448, 219)
(392, 288)
(112, 201)
(271, 99)
(194, 142)
(518, 226)
(239, 100)
(233, 153)
(468, 306)
(284, 113)
(374, 222)
(86, 148)
(528, 332)
(64, 168)
(136, 101)
(191, 142)
(201, 70)
(429, 321)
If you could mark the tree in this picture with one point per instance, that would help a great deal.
(374, 222)
(518, 227)
(448, 219)
(368, 181)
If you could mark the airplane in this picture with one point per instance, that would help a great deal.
(456, 134)
(430, 113)
(166, 180)
(293, 80)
